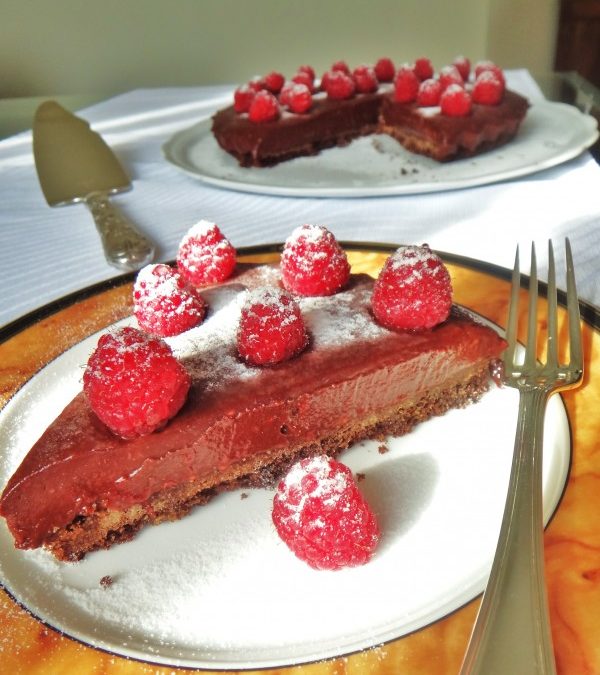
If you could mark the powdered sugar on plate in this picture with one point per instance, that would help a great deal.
(218, 589)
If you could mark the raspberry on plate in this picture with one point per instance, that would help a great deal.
(483, 66)
(413, 290)
(162, 302)
(406, 85)
(320, 513)
(429, 93)
(455, 101)
(338, 84)
(133, 382)
(340, 66)
(271, 327)
(303, 77)
(450, 75)
(487, 89)
(313, 262)
(463, 65)
(205, 256)
(273, 82)
(385, 70)
(297, 97)
(365, 79)
(242, 98)
(423, 69)
(263, 107)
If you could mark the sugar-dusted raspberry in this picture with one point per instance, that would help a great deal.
(385, 69)
(296, 97)
(313, 263)
(321, 515)
(340, 66)
(309, 70)
(273, 82)
(483, 66)
(162, 302)
(305, 79)
(455, 101)
(423, 69)
(205, 256)
(338, 85)
(406, 85)
(271, 327)
(463, 65)
(450, 75)
(487, 89)
(256, 83)
(413, 290)
(429, 93)
(365, 79)
(264, 107)
(242, 98)
(133, 382)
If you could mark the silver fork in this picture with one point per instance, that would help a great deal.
(512, 635)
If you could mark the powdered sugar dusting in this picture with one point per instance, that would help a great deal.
(209, 351)
(201, 229)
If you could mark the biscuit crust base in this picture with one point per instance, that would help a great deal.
(103, 528)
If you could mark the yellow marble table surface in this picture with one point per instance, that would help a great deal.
(572, 540)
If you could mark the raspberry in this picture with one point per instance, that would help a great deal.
(305, 79)
(450, 75)
(385, 70)
(488, 89)
(423, 69)
(273, 82)
(340, 66)
(320, 514)
(205, 256)
(133, 382)
(264, 107)
(163, 304)
(455, 101)
(309, 70)
(463, 65)
(406, 85)
(313, 263)
(338, 85)
(413, 290)
(271, 327)
(242, 98)
(483, 66)
(256, 84)
(297, 97)
(365, 79)
(429, 93)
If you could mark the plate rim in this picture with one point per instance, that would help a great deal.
(33, 317)
(172, 148)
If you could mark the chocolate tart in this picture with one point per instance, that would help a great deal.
(81, 488)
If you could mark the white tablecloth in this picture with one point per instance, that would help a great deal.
(46, 253)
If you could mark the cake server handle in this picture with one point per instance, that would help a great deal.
(124, 246)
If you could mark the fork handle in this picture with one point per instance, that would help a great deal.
(512, 630)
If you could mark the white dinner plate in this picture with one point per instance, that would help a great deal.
(219, 590)
(377, 165)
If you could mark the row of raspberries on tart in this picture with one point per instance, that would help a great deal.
(454, 88)
(134, 383)
(412, 292)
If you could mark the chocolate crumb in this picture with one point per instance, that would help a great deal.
(382, 449)
(360, 476)
(106, 581)
(244, 495)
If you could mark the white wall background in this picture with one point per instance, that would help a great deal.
(50, 47)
